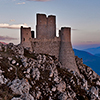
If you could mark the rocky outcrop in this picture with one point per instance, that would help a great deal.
(3, 80)
(25, 75)
(21, 87)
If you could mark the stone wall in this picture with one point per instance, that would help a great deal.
(46, 46)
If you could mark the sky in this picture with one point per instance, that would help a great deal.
(83, 16)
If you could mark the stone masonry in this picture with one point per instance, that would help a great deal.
(46, 41)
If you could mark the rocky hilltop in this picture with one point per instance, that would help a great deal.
(25, 75)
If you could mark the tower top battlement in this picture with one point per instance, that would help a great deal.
(25, 27)
(46, 26)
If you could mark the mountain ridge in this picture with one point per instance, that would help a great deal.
(93, 50)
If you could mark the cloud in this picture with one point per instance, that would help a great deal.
(75, 29)
(7, 38)
(39, 0)
(12, 20)
(14, 26)
(57, 29)
(22, 3)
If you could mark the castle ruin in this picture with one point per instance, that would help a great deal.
(46, 41)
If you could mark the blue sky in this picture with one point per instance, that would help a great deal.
(83, 16)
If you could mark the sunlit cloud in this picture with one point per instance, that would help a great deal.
(12, 20)
(39, 0)
(7, 38)
(75, 29)
(14, 26)
(22, 3)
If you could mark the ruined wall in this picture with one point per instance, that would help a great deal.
(66, 53)
(46, 46)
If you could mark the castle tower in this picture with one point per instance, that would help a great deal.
(41, 27)
(51, 26)
(66, 54)
(46, 26)
(25, 36)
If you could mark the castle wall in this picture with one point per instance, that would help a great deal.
(41, 31)
(46, 46)
(66, 55)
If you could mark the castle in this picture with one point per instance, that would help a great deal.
(46, 41)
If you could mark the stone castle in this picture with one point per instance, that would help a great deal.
(46, 41)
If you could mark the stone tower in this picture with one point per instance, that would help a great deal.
(66, 54)
(46, 26)
(51, 26)
(26, 36)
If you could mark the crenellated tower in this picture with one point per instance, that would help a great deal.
(66, 53)
(41, 27)
(26, 36)
(51, 23)
(46, 26)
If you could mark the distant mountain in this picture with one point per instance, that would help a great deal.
(98, 54)
(89, 59)
(3, 43)
(93, 50)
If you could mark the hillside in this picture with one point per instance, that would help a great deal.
(25, 75)
(89, 59)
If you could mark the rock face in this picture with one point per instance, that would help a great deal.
(25, 75)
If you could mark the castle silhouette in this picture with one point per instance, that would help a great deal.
(46, 41)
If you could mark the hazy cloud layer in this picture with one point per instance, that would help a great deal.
(14, 26)
(75, 29)
(39, 0)
(22, 3)
(71, 29)
(12, 20)
(7, 38)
